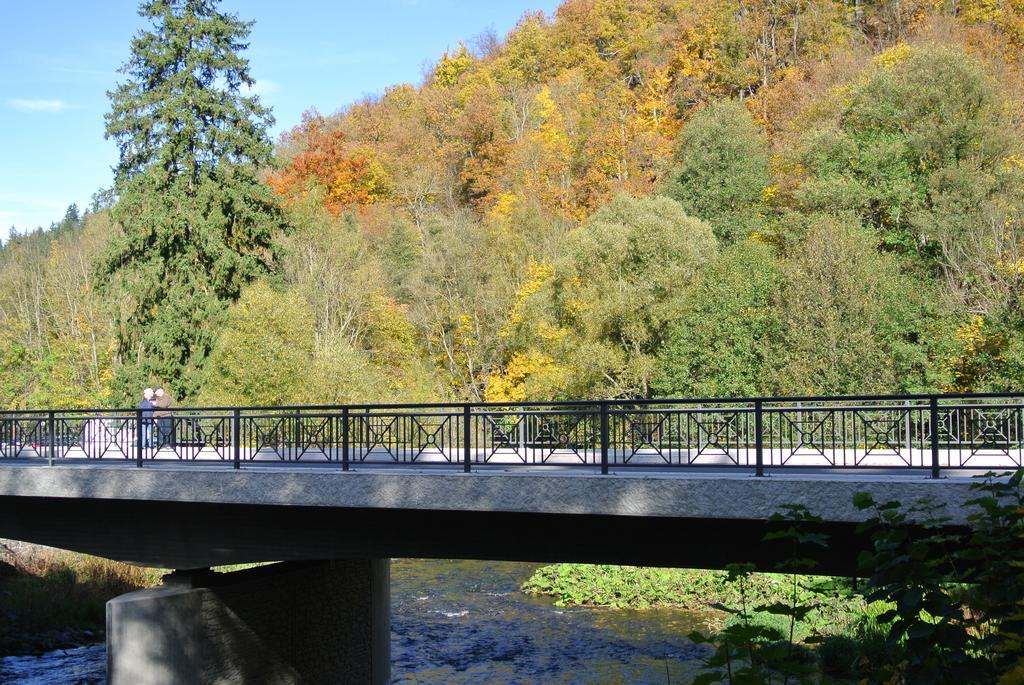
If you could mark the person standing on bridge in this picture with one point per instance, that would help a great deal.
(146, 405)
(162, 401)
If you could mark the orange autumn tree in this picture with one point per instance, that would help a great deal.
(344, 176)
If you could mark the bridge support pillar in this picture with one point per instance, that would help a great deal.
(292, 622)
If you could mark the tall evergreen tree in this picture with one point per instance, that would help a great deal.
(196, 222)
(72, 219)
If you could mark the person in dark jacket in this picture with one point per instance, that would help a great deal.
(147, 406)
(162, 401)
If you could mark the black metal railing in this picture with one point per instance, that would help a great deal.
(926, 432)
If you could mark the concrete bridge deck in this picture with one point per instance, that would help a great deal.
(183, 516)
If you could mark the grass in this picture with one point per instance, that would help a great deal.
(636, 587)
(838, 609)
(50, 598)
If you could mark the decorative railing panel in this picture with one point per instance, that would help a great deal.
(537, 435)
(925, 432)
(21, 433)
(404, 437)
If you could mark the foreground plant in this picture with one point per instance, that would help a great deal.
(750, 650)
(943, 604)
(956, 595)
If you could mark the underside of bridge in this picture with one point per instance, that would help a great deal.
(194, 535)
(199, 518)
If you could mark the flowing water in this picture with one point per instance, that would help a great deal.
(76, 666)
(467, 622)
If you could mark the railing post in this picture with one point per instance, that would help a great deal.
(933, 419)
(51, 436)
(467, 432)
(344, 438)
(297, 435)
(523, 432)
(907, 432)
(236, 438)
(759, 437)
(138, 438)
(604, 437)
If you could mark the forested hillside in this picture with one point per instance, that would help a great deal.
(630, 198)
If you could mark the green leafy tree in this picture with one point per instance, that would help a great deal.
(15, 372)
(723, 170)
(400, 251)
(64, 378)
(719, 343)
(270, 354)
(264, 352)
(196, 222)
(606, 309)
(923, 149)
(853, 322)
(343, 374)
(916, 149)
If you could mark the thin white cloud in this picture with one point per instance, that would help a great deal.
(79, 71)
(28, 105)
(262, 87)
(324, 56)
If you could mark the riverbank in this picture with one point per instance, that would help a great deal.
(52, 599)
(635, 587)
(845, 628)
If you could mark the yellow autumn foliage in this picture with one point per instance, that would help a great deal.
(510, 383)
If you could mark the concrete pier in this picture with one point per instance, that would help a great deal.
(292, 622)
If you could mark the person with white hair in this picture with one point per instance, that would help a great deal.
(162, 403)
(146, 405)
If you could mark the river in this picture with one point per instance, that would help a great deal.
(466, 622)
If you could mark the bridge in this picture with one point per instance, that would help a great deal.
(676, 482)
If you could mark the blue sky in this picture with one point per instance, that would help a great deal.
(58, 60)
